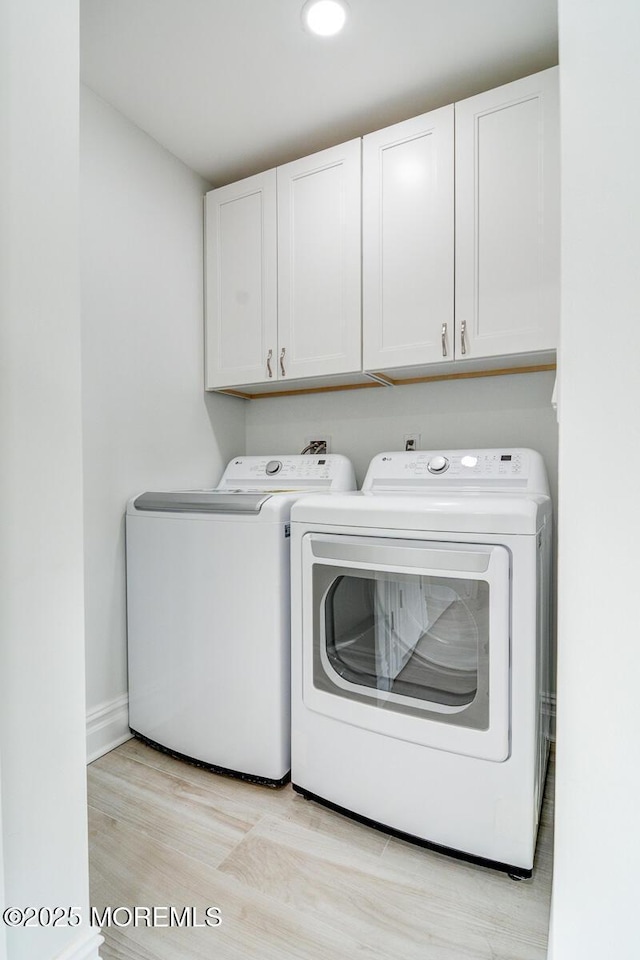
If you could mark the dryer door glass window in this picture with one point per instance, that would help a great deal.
(416, 638)
(411, 627)
(410, 638)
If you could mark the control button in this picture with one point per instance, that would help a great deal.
(273, 467)
(438, 464)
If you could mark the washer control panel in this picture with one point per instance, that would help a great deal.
(518, 468)
(330, 470)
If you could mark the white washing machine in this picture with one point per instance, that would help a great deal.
(208, 611)
(420, 633)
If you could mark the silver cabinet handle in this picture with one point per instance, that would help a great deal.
(444, 339)
(282, 370)
(269, 370)
(463, 333)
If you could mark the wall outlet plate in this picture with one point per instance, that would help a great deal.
(411, 441)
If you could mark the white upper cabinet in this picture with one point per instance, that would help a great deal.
(434, 240)
(408, 252)
(241, 276)
(319, 257)
(507, 219)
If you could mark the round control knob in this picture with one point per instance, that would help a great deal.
(438, 465)
(273, 467)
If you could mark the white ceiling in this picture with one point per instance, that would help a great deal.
(232, 87)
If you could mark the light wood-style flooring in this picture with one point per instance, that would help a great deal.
(293, 880)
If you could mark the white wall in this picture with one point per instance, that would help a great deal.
(147, 422)
(595, 890)
(489, 411)
(42, 746)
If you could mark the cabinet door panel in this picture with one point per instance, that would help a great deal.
(241, 277)
(507, 218)
(408, 218)
(319, 309)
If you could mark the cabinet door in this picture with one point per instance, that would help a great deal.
(408, 218)
(507, 219)
(319, 263)
(241, 277)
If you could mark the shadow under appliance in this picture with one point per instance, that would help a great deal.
(420, 634)
(208, 611)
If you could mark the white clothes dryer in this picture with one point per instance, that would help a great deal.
(208, 612)
(420, 635)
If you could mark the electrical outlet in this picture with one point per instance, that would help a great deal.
(411, 441)
(318, 440)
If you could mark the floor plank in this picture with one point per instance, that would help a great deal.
(188, 817)
(133, 868)
(294, 880)
(447, 909)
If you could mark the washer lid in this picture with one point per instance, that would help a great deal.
(201, 502)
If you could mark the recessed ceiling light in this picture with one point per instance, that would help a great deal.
(324, 17)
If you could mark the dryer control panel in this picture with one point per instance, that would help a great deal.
(501, 469)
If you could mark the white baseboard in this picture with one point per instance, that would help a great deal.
(87, 949)
(107, 727)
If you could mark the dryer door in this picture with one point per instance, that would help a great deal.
(409, 638)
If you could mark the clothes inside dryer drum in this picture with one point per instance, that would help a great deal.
(404, 612)
(417, 637)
